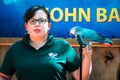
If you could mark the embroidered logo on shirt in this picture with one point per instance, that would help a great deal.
(52, 55)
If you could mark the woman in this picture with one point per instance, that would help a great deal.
(39, 56)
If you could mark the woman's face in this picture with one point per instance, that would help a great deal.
(38, 25)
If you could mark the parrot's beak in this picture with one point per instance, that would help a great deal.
(72, 32)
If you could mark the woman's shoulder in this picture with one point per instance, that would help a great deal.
(14, 46)
(61, 41)
(16, 43)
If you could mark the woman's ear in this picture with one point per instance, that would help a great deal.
(49, 25)
(26, 27)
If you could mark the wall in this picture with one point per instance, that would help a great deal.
(106, 60)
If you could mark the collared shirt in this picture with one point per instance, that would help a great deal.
(50, 62)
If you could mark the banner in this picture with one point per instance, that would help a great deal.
(103, 16)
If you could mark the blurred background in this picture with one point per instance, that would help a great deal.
(12, 11)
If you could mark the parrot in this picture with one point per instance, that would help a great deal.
(90, 35)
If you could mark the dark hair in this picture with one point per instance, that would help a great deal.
(32, 10)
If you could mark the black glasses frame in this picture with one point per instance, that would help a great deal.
(40, 21)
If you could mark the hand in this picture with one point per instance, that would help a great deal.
(87, 51)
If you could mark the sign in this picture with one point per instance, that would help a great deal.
(103, 16)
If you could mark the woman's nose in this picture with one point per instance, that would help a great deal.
(37, 24)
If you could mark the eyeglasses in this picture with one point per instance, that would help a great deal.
(40, 21)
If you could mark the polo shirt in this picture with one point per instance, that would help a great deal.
(50, 62)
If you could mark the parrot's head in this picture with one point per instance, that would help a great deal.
(75, 30)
